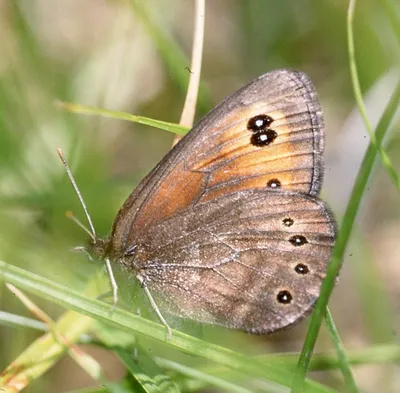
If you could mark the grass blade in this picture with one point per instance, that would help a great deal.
(342, 240)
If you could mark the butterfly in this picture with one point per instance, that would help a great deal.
(228, 229)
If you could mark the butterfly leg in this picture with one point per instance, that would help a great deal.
(154, 306)
(84, 250)
(113, 283)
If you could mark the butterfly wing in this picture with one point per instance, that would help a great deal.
(267, 135)
(252, 260)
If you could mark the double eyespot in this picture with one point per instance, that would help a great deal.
(262, 134)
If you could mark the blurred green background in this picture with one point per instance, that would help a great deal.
(131, 56)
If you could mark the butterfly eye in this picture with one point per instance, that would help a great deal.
(301, 269)
(298, 240)
(284, 297)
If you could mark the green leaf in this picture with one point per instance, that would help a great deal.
(90, 110)
(146, 372)
(126, 321)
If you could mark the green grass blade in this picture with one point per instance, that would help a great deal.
(129, 322)
(90, 110)
(12, 320)
(343, 237)
(387, 163)
(207, 379)
(341, 354)
(384, 353)
(146, 372)
(393, 14)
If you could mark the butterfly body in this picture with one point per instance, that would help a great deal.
(227, 229)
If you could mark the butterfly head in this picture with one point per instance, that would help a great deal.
(94, 250)
(97, 248)
(101, 249)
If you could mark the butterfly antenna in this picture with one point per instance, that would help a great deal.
(69, 214)
(91, 232)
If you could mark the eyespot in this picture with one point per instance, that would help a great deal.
(259, 122)
(301, 268)
(298, 240)
(274, 183)
(284, 297)
(287, 222)
(263, 137)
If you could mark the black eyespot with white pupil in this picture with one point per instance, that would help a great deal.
(284, 297)
(274, 183)
(260, 122)
(288, 222)
(262, 134)
(298, 240)
(301, 268)
(263, 138)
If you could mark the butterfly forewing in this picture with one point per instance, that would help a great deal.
(273, 133)
(224, 154)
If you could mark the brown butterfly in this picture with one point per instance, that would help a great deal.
(227, 229)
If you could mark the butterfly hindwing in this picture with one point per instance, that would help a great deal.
(252, 260)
